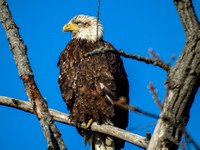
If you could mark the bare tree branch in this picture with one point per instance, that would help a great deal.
(190, 139)
(155, 96)
(153, 54)
(121, 103)
(155, 62)
(51, 133)
(148, 136)
(142, 126)
(64, 118)
(106, 129)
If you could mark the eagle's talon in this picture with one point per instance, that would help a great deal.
(89, 123)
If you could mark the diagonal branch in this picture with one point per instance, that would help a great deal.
(51, 133)
(154, 92)
(188, 17)
(64, 118)
(155, 62)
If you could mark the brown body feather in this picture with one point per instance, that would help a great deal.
(90, 84)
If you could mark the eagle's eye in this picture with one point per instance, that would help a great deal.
(79, 23)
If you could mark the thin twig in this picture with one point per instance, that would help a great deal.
(154, 92)
(98, 19)
(190, 139)
(121, 102)
(153, 54)
(157, 56)
(155, 62)
(173, 57)
(142, 126)
(135, 109)
(184, 144)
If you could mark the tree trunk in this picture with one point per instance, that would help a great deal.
(182, 84)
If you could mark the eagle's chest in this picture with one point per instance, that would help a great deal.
(87, 70)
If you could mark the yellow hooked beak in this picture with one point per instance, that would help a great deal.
(70, 27)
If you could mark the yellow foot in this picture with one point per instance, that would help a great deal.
(89, 123)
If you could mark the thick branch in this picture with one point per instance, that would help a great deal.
(51, 133)
(155, 62)
(15, 41)
(188, 17)
(64, 118)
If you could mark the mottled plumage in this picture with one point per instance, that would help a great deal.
(89, 85)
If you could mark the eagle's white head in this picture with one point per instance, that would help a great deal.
(84, 27)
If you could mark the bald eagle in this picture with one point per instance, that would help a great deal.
(90, 85)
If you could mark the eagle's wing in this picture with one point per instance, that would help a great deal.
(116, 86)
(113, 77)
(66, 77)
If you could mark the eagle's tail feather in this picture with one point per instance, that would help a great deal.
(102, 142)
(98, 141)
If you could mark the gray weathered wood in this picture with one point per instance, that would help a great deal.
(64, 118)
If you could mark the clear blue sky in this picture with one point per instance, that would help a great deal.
(134, 26)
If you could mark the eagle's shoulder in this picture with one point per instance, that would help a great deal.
(107, 44)
(64, 53)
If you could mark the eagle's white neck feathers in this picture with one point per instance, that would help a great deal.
(88, 28)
